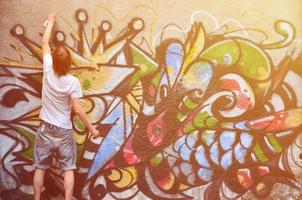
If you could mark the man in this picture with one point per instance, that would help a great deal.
(60, 92)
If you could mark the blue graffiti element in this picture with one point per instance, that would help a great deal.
(113, 141)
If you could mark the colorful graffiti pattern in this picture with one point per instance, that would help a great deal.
(209, 110)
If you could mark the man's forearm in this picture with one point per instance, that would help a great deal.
(80, 112)
(83, 117)
(47, 32)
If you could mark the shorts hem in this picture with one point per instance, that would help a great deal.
(37, 166)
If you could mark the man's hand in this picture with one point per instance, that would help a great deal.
(95, 133)
(51, 17)
(47, 33)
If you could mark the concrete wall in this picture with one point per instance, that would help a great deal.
(195, 99)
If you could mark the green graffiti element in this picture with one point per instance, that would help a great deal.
(201, 120)
(143, 62)
(259, 153)
(30, 135)
(275, 144)
(156, 160)
(224, 53)
(79, 125)
(86, 84)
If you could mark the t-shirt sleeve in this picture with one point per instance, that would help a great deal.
(47, 62)
(76, 90)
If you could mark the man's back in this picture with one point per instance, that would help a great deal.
(56, 95)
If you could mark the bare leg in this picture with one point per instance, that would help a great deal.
(68, 184)
(38, 182)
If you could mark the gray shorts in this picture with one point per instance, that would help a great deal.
(52, 140)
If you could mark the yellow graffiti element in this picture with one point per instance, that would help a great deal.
(79, 138)
(133, 103)
(183, 187)
(32, 118)
(294, 118)
(123, 177)
(194, 46)
(92, 60)
(92, 80)
(284, 29)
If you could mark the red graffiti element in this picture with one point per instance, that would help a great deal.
(244, 178)
(278, 123)
(129, 155)
(243, 101)
(260, 124)
(167, 182)
(12, 97)
(155, 130)
(270, 123)
(230, 84)
(262, 170)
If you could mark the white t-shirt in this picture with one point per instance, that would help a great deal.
(56, 95)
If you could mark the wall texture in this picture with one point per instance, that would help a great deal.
(196, 99)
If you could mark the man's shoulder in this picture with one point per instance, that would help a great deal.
(72, 78)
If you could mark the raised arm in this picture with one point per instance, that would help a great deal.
(79, 111)
(47, 33)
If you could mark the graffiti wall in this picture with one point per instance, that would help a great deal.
(195, 99)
